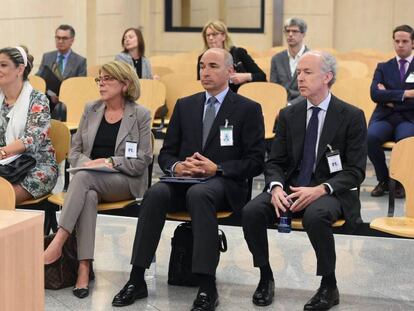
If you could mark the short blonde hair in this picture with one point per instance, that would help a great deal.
(124, 73)
(218, 26)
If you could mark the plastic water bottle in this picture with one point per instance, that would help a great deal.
(152, 270)
(285, 222)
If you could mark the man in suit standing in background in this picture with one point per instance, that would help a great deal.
(64, 63)
(217, 134)
(315, 166)
(392, 89)
(283, 64)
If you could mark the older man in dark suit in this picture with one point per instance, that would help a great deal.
(64, 63)
(316, 164)
(392, 89)
(216, 134)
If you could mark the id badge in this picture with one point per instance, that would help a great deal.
(226, 135)
(410, 78)
(334, 160)
(131, 149)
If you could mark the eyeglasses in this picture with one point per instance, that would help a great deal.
(57, 38)
(213, 34)
(106, 78)
(293, 31)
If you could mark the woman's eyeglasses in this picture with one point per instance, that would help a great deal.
(104, 79)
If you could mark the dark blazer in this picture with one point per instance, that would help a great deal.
(242, 63)
(75, 65)
(239, 162)
(345, 130)
(280, 74)
(135, 127)
(388, 74)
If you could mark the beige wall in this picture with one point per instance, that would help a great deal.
(99, 24)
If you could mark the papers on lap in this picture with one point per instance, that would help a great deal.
(9, 159)
(185, 180)
(103, 169)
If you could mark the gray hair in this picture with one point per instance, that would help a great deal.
(296, 22)
(328, 63)
(228, 58)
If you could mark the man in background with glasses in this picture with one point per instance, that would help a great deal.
(283, 64)
(61, 64)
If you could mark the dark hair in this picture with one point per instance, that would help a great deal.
(405, 28)
(67, 27)
(17, 58)
(141, 43)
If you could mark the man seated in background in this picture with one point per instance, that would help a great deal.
(392, 89)
(63, 63)
(283, 64)
(217, 134)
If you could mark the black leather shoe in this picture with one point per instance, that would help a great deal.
(129, 294)
(205, 302)
(399, 191)
(264, 293)
(81, 292)
(380, 189)
(324, 299)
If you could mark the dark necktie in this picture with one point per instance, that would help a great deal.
(209, 117)
(60, 63)
(309, 147)
(402, 68)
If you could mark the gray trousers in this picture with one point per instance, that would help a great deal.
(86, 190)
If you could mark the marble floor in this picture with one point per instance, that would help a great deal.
(373, 273)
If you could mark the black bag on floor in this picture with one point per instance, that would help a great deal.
(179, 270)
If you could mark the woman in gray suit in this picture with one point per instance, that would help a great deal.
(114, 133)
(134, 51)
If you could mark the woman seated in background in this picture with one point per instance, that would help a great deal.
(114, 132)
(215, 35)
(25, 124)
(134, 51)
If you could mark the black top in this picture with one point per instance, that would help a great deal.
(243, 62)
(138, 66)
(105, 139)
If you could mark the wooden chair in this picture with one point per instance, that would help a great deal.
(297, 223)
(153, 94)
(60, 137)
(161, 70)
(401, 169)
(93, 71)
(191, 87)
(75, 93)
(271, 96)
(357, 69)
(38, 83)
(7, 195)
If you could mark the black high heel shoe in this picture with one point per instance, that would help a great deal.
(81, 292)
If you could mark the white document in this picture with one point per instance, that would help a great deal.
(9, 159)
(103, 169)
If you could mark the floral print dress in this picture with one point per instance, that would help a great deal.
(42, 178)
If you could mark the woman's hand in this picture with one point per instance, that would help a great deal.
(98, 163)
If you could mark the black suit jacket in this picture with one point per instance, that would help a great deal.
(243, 160)
(388, 74)
(345, 130)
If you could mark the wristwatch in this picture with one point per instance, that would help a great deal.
(219, 171)
(327, 189)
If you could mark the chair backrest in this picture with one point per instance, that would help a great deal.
(358, 69)
(174, 83)
(60, 137)
(161, 70)
(8, 197)
(38, 83)
(93, 71)
(191, 87)
(355, 91)
(271, 96)
(402, 168)
(75, 93)
(153, 95)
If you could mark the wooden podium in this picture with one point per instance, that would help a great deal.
(21, 261)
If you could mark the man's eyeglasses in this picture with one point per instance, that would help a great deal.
(293, 31)
(104, 79)
(213, 34)
(57, 38)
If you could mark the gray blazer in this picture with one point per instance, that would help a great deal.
(146, 65)
(75, 65)
(135, 127)
(280, 74)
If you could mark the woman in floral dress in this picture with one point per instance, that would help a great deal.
(25, 124)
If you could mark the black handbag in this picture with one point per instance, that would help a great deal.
(179, 269)
(17, 170)
(63, 272)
